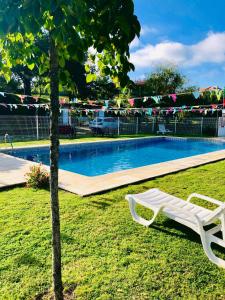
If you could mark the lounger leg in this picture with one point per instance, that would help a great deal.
(223, 226)
(137, 218)
(206, 243)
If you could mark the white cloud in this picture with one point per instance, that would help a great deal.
(209, 50)
(135, 43)
(145, 29)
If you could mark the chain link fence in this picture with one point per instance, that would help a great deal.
(37, 127)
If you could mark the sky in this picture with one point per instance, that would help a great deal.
(187, 33)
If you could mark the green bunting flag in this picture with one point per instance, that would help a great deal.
(118, 102)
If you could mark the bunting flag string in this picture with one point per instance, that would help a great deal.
(61, 100)
(36, 98)
(23, 97)
(216, 92)
(169, 111)
(15, 106)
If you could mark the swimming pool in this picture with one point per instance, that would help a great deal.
(93, 159)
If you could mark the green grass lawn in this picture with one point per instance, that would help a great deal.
(105, 254)
(83, 139)
(64, 141)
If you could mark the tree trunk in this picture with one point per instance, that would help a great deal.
(27, 85)
(54, 154)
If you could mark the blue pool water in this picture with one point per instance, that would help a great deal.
(101, 158)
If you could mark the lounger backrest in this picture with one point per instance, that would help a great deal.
(162, 127)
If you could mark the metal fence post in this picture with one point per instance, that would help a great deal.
(137, 125)
(37, 126)
(217, 126)
(175, 126)
(153, 124)
(201, 126)
(118, 126)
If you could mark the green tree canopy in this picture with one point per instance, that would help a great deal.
(165, 80)
(107, 26)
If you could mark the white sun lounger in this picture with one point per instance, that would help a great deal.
(186, 213)
(163, 130)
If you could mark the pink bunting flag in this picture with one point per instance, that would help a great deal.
(36, 98)
(22, 97)
(174, 97)
(154, 111)
(62, 101)
(131, 101)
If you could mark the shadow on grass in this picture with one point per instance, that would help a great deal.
(102, 204)
(68, 293)
(28, 259)
(67, 239)
(168, 227)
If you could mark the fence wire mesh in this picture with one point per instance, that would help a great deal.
(37, 127)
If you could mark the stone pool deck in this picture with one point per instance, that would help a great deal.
(13, 169)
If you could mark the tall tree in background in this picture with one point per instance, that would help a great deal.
(12, 86)
(72, 26)
(164, 80)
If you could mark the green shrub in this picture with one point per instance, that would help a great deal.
(38, 177)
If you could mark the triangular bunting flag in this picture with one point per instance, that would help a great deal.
(106, 103)
(3, 104)
(22, 97)
(131, 101)
(118, 102)
(36, 98)
(145, 99)
(156, 98)
(174, 97)
(219, 94)
(149, 112)
(196, 95)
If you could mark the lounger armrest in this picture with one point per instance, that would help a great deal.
(203, 197)
(215, 214)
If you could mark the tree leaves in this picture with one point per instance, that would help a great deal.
(91, 77)
(108, 26)
(31, 66)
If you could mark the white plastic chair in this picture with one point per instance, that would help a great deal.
(186, 213)
(163, 130)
